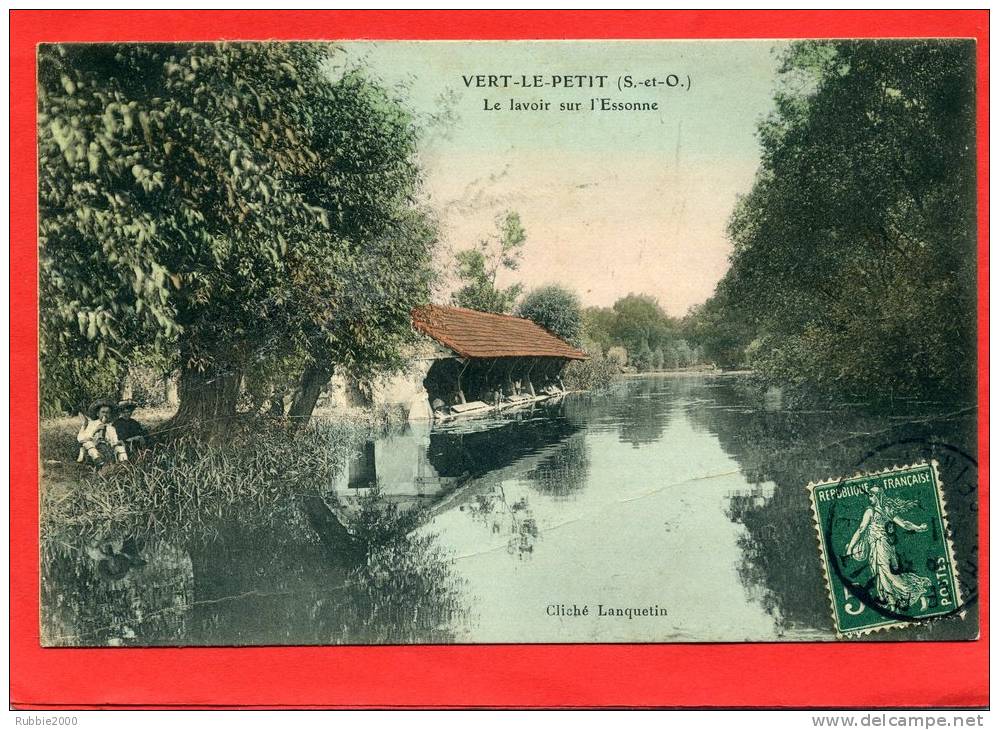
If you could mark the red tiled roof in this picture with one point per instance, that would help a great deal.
(479, 334)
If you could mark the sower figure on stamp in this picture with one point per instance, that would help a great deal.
(873, 542)
(97, 437)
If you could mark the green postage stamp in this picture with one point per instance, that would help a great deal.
(886, 549)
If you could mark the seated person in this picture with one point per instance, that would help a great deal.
(98, 438)
(130, 432)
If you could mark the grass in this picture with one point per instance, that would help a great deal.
(186, 484)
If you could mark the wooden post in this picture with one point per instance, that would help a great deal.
(461, 394)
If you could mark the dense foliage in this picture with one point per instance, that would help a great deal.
(649, 338)
(854, 253)
(594, 374)
(724, 332)
(230, 206)
(557, 310)
(478, 268)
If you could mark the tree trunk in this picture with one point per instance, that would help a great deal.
(314, 378)
(170, 389)
(207, 400)
(125, 384)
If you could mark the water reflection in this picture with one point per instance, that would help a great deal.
(513, 519)
(682, 492)
(638, 409)
(116, 594)
(422, 465)
(327, 586)
(786, 449)
(304, 580)
(563, 471)
(464, 466)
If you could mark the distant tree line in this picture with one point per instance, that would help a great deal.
(634, 331)
(637, 331)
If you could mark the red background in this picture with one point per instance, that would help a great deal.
(770, 675)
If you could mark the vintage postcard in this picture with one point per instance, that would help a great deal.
(507, 342)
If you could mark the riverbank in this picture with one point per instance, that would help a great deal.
(57, 436)
(680, 372)
(178, 482)
(187, 483)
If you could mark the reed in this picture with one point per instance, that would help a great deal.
(187, 483)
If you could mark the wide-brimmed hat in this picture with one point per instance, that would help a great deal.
(97, 405)
(127, 405)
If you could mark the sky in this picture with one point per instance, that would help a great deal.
(613, 202)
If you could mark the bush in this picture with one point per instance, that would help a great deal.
(594, 374)
(557, 310)
(149, 386)
(618, 355)
(642, 359)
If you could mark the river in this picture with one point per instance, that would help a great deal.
(681, 498)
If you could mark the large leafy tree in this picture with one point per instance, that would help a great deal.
(721, 328)
(359, 295)
(556, 309)
(598, 324)
(230, 205)
(640, 323)
(855, 251)
(479, 267)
